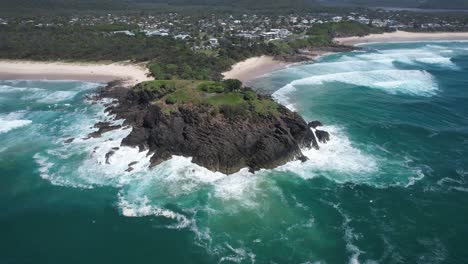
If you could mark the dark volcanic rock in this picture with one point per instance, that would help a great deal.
(213, 140)
(315, 124)
(322, 136)
(109, 155)
(103, 127)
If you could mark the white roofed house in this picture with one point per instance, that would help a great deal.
(126, 32)
(271, 35)
(281, 33)
(156, 33)
(213, 42)
(337, 19)
(182, 37)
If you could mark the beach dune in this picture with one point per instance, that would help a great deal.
(130, 74)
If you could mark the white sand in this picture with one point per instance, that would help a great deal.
(402, 36)
(254, 67)
(131, 74)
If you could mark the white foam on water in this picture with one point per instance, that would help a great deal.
(8, 125)
(45, 171)
(58, 96)
(338, 155)
(413, 179)
(349, 236)
(178, 177)
(438, 61)
(46, 95)
(459, 183)
(12, 89)
(237, 255)
(431, 56)
(283, 96)
(413, 82)
(371, 69)
(345, 64)
(141, 207)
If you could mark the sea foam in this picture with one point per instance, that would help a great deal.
(338, 155)
(7, 125)
(414, 82)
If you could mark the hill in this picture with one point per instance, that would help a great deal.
(223, 126)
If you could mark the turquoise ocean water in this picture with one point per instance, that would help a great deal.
(390, 187)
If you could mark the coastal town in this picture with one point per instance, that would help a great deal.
(206, 32)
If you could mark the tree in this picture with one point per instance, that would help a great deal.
(232, 85)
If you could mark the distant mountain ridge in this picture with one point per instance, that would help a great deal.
(439, 4)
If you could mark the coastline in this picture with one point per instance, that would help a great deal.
(403, 36)
(129, 74)
(252, 68)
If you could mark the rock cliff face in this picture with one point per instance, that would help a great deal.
(214, 140)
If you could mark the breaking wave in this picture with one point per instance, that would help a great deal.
(338, 155)
(13, 121)
(414, 82)
(7, 125)
(394, 71)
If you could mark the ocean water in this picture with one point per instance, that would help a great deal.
(390, 187)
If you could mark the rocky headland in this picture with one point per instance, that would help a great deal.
(221, 125)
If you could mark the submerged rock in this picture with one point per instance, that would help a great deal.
(220, 138)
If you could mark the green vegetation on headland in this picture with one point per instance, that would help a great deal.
(227, 97)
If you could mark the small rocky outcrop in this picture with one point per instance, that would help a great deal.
(215, 139)
(315, 124)
(103, 127)
(322, 136)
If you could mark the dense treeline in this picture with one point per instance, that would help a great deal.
(343, 29)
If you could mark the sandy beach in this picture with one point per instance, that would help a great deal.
(252, 68)
(402, 36)
(130, 74)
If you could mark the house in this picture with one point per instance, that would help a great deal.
(126, 32)
(337, 19)
(157, 33)
(281, 33)
(271, 35)
(213, 42)
(182, 36)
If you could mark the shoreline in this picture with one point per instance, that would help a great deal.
(252, 68)
(403, 36)
(129, 74)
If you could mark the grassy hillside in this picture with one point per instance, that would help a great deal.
(227, 97)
